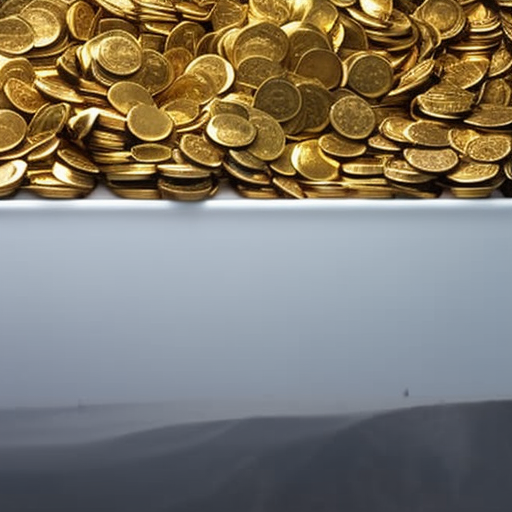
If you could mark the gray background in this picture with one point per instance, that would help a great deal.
(319, 305)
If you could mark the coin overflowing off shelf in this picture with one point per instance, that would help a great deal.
(278, 98)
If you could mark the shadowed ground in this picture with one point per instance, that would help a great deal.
(447, 458)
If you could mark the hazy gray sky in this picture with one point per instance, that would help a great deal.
(348, 306)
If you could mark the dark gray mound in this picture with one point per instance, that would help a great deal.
(449, 458)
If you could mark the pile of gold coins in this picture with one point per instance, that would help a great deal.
(275, 98)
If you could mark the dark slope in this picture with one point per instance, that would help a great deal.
(149, 471)
(455, 458)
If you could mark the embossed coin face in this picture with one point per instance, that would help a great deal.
(12, 129)
(279, 98)
(489, 148)
(428, 133)
(125, 95)
(148, 123)
(231, 130)
(340, 147)
(270, 139)
(311, 163)
(352, 117)
(77, 160)
(120, 55)
(218, 69)
(253, 71)
(79, 18)
(46, 26)
(262, 39)
(23, 96)
(459, 138)
(321, 64)
(370, 75)
(182, 111)
(469, 173)
(151, 152)
(446, 16)
(436, 161)
(200, 151)
(16, 36)
(155, 73)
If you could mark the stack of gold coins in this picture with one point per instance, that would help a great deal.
(275, 98)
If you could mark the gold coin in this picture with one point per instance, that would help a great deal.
(151, 152)
(228, 13)
(340, 147)
(270, 139)
(364, 167)
(13, 129)
(155, 73)
(352, 117)
(321, 64)
(245, 175)
(148, 123)
(279, 98)
(302, 39)
(229, 106)
(186, 34)
(252, 192)
(381, 143)
(245, 159)
(489, 148)
(488, 116)
(71, 177)
(466, 74)
(428, 133)
(394, 127)
(200, 151)
(446, 16)
(260, 39)
(45, 25)
(125, 95)
(276, 11)
(77, 160)
(23, 96)
(178, 59)
(380, 9)
(446, 100)
(16, 36)
(192, 86)
(283, 165)
(370, 75)
(459, 138)
(496, 92)
(231, 130)
(182, 111)
(79, 18)
(469, 173)
(289, 186)
(11, 176)
(253, 71)
(435, 161)
(119, 54)
(218, 69)
(184, 171)
(56, 89)
(400, 171)
(414, 77)
(311, 163)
